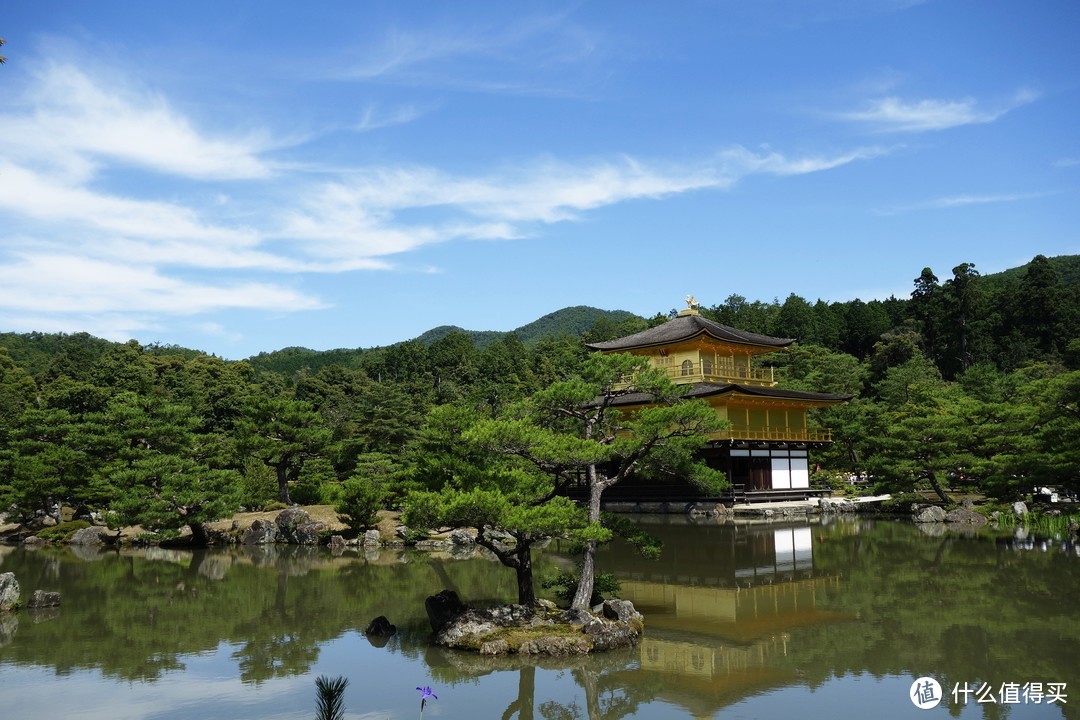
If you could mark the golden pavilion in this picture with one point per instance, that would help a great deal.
(765, 450)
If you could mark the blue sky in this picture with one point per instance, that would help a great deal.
(241, 177)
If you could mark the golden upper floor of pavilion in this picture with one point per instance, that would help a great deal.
(693, 349)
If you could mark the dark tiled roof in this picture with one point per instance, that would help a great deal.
(688, 326)
(705, 389)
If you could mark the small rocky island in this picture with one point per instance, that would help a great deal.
(540, 629)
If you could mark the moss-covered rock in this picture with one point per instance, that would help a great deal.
(542, 629)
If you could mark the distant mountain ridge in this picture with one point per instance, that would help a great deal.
(573, 321)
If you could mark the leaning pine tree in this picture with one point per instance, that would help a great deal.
(507, 501)
(574, 430)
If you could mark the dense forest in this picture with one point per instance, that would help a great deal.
(972, 383)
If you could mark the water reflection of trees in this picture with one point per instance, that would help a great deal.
(607, 695)
(135, 615)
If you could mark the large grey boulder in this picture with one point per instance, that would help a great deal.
(463, 536)
(623, 611)
(932, 514)
(703, 509)
(963, 516)
(43, 599)
(93, 535)
(309, 533)
(261, 532)
(552, 645)
(1020, 508)
(9, 592)
(288, 521)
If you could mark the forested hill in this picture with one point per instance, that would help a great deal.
(570, 322)
(963, 318)
(1066, 267)
(574, 321)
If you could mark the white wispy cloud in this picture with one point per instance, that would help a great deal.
(78, 121)
(955, 201)
(893, 114)
(368, 215)
(43, 282)
(26, 192)
(375, 117)
(739, 162)
(523, 56)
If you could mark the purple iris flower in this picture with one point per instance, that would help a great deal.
(425, 693)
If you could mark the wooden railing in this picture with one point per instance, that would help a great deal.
(713, 372)
(774, 433)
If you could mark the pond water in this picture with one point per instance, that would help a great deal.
(819, 619)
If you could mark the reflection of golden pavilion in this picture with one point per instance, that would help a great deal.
(757, 592)
(695, 660)
(737, 615)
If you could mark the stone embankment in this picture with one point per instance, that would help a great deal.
(787, 508)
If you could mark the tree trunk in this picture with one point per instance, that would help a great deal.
(199, 536)
(583, 594)
(526, 592)
(932, 477)
(518, 557)
(282, 469)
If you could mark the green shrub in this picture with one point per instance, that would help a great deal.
(903, 503)
(413, 536)
(314, 475)
(272, 506)
(361, 500)
(62, 533)
(144, 539)
(331, 493)
(303, 493)
(258, 485)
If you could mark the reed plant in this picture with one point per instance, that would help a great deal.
(1046, 525)
(330, 696)
(1056, 526)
